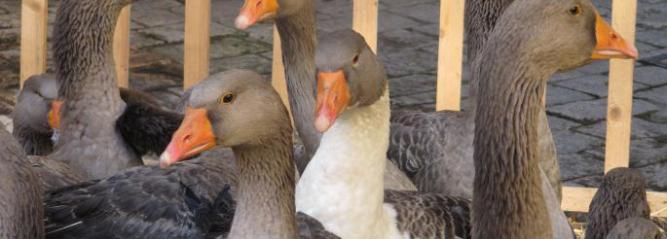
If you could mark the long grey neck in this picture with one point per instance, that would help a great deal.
(265, 202)
(507, 197)
(298, 38)
(34, 142)
(87, 82)
(480, 18)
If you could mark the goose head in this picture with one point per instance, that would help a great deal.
(348, 75)
(255, 11)
(229, 109)
(562, 35)
(34, 103)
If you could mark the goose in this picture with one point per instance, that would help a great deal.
(20, 194)
(435, 148)
(244, 112)
(31, 128)
(635, 228)
(193, 199)
(342, 186)
(82, 50)
(512, 68)
(38, 98)
(621, 195)
(295, 21)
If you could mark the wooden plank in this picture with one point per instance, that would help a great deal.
(197, 41)
(121, 47)
(34, 14)
(577, 199)
(278, 70)
(450, 55)
(365, 20)
(619, 108)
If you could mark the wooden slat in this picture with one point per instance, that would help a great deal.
(121, 47)
(577, 199)
(450, 55)
(278, 70)
(197, 41)
(619, 109)
(34, 14)
(365, 20)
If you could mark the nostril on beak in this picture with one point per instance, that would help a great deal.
(258, 3)
(187, 139)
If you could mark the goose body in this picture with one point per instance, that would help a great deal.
(342, 185)
(21, 210)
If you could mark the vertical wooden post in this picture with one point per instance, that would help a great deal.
(278, 70)
(619, 109)
(197, 41)
(34, 14)
(450, 55)
(121, 47)
(365, 20)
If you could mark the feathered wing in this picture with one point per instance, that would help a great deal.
(309, 227)
(54, 174)
(144, 202)
(434, 149)
(147, 128)
(429, 215)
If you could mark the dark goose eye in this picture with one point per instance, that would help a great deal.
(355, 60)
(574, 11)
(228, 98)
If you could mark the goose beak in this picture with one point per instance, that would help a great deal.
(54, 114)
(333, 96)
(195, 135)
(610, 44)
(254, 11)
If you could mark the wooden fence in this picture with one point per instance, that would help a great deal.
(365, 20)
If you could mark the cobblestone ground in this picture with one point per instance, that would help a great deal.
(408, 45)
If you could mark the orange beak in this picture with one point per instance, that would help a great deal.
(195, 135)
(254, 11)
(333, 96)
(609, 43)
(54, 114)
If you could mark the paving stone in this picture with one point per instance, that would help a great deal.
(412, 84)
(565, 76)
(595, 67)
(235, 46)
(574, 166)
(427, 29)
(156, 13)
(408, 61)
(640, 129)
(569, 142)
(328, 24)
(587, 181)
(595, 110)
(250, 62)
(654, 37)
(412, 100)
(557, 124)
(175, 32)
(596, 85)
(651, 75)
(651, 17)
(655, 176)
(388, 21)
(659, 116)
(657, 95)
(646, 151)
(425, 12)
(559, 95)
(262, 32)
(402, 39)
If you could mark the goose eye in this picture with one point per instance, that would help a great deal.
(355, 60)
(226, 99)
(574, 11)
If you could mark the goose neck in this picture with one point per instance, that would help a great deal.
(298, 40)
(265, 201)
(507, 198)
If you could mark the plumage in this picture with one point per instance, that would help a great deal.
(185, 201)
(621, 195)
(435, 148)
(31, 128)
(20, 194)
(342, 185)
(509, 200)
(635, 228)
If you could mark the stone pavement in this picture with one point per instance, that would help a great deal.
(408, 45)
